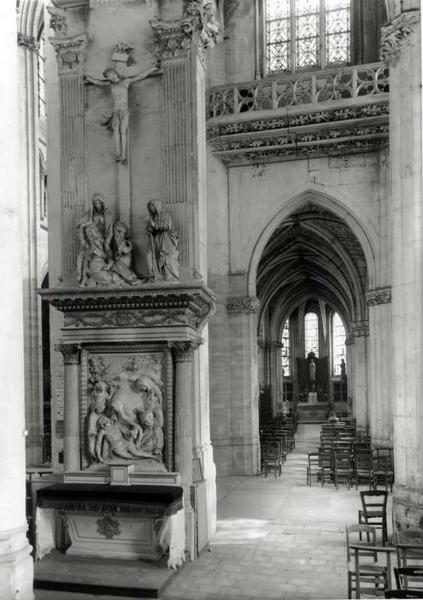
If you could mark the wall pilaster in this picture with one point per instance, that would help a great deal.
(70, 53)
(71, 441)
(380, 380)
(359, 389)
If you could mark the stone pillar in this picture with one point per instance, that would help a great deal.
(244, 391)
(380, 380)
(349, 345)
(71, 441)
(359, 387)
(16, 566)
(183, 433)
(70, 53)
(180, 47)
(401, 48)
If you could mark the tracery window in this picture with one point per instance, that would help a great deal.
(311, 333)
(286, 350)
(302, 34)
(338, 343)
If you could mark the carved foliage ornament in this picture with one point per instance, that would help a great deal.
(246, 304)
(28, 41)
(58, 21)
(379, 296)
(70, 52)
(108, 527)
(396, 35)
(71, 353)
(359, 329)
(174, 38)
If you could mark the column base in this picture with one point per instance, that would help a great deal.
(189, 528)
(205, 491)
(236, 457)
(407, 508)
(16, 565)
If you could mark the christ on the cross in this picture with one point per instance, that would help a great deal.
(119, 86)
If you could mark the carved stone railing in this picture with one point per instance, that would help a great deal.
(335, 111)
(305, 88)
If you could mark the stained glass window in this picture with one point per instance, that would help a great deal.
(338, 344)
(311, 333)
(302, 34)
(286, 351)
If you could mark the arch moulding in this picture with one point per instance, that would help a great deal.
(325, 201)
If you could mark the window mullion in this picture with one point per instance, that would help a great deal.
(322, 44)
(293, 40)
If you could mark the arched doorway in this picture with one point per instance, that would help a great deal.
(311, 280)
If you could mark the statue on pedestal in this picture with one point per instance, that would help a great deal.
(162, 256)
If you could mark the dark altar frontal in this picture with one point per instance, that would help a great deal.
(128, 420)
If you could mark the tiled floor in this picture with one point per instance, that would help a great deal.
(276, 538)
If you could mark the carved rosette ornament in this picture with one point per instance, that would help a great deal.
(70, 52)
(397, 35)
(28, 41)
(379, 296)
(245, 304)
(175, 38)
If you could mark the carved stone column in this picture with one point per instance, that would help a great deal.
(70, 52)
(183, 432)
(401, 48)
(180, 46)
(71, 441)
(16, 565)
(359, 388)
(380, 372)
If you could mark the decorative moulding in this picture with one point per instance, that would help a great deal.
(396, 35)
(70, 52)
(71, 3)
(243, 304)
(379, 296)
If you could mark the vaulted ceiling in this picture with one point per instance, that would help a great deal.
(312, 255)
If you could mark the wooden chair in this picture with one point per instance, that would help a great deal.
(374, 511)
(272, 459)
(409, 578)
(403, 594)
(382, 468)
(342, 466)
(409, 544)
(326, 464)
(365, 574)
(363, 466)
(313, 467)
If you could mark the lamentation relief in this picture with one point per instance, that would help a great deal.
(125, 417)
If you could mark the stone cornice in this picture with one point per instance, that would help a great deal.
(70, 52)
(379, 296)
(334, 131)
(175, 38)
(153, 305)
(243, 304)
(396, 35)
(28, 41)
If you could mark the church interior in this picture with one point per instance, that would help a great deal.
(212, 252)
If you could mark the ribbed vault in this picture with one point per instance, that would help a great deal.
(312, 255)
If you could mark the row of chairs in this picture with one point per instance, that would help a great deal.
(277, 439)
(370, 574)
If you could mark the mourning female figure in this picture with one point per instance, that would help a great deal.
(162, 256)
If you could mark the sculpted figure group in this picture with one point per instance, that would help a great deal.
(105, 248)
(125, 419)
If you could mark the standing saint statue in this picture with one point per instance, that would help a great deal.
(162, 256)
(119, 86)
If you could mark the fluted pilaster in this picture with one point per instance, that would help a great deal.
(71, 441)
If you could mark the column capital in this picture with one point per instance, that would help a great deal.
(28, 41)
(70, 53)
(71, 353)
(359, 329)
(199, 25)
(243, 304)
(379, 296)
(396, 35)
(182, 350)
